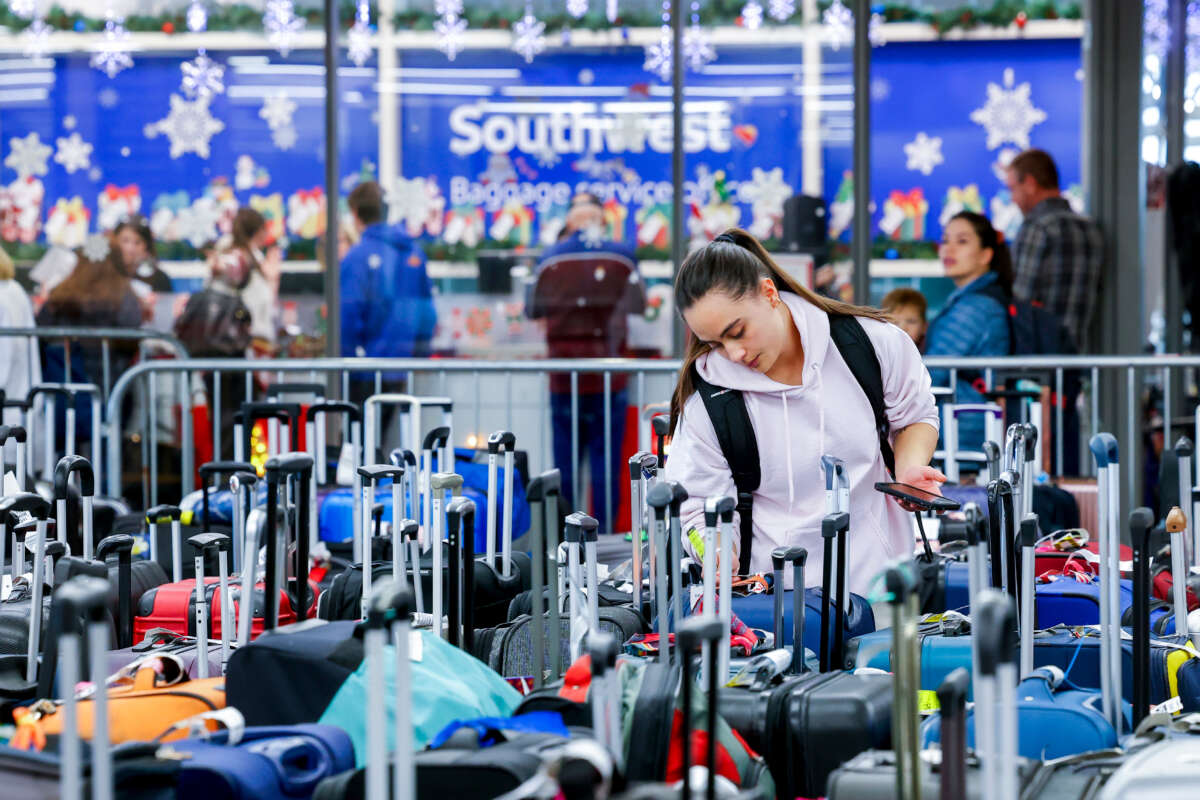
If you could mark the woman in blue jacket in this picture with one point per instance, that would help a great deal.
(974, 321)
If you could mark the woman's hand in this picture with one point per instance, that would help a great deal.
(922, 477)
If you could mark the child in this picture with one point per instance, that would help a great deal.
(906, 308)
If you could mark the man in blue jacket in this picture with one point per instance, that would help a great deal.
(387, 297)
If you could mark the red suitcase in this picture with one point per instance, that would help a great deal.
(173, 606)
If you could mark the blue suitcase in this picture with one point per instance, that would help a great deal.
(268, 762)
(1051, 722)
(758, 611)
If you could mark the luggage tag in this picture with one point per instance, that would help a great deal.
(345, 465)
(416, 646)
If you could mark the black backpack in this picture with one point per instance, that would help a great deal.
(1032, 329)
(727, 410)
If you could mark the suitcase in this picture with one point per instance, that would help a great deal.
(810, 723)
(259, 762)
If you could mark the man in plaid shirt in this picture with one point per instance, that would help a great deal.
(1058, 253)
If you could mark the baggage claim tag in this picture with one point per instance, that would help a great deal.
(415, 646)
(1172, 706)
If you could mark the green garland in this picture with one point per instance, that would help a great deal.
(718, 12)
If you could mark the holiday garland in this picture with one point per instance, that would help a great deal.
(717, 12)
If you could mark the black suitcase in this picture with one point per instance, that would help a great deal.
(810, 723)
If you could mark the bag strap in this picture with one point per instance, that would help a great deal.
(731, 421)
(859, 354)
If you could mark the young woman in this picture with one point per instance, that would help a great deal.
(758, 331)
(244, 267)
(973, 322)
(135, 243)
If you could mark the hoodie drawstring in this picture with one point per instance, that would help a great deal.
(787, 438)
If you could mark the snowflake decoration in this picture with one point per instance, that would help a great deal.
(445, 8)
(577, 8)
(658, 58)
(197, 224)
(546, 158)
(875, 30)
(782, 10)
(36, 38)
(924, 153)
(766, 191)
(881, 89)
(592, 236)
(94, 174)
(450, 29)
(359, 43)
(188, 126)
(1008, 115)
(281, 24)
(1192, 51)
(277, 110)
(408, 201)
(73, 153)
(1003, 159)
(284, 138)
(69, 122)
(839, 25)
(27, 156)
(528, 36)
(108, 97)
(752, 15)
(202, 77)
(610, 10)
(112, 55)
(197, 17)
(95, 247)
(697, 48)
(23, 8)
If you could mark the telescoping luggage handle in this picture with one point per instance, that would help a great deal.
(21, 437)
(87, 597)
(640, 463)
(833, 530)
(215, 469)
(906, 680)
(952, 698)
(66, 467)
(435, 439)
(666, 497)
(37, 506)
(122, 545)
(605, 693)
(1027, 609)
(837, 498)
(995, 694)
(250, 413)
(1106, 453)
(206, 543)
(696, 631)
(390, 606)
(798, 558)
(1177, 523)
(411, 405)
(278, 470)
(460, 519)
(1000, 512)
(315, 440)
(154, 517)
(370, 477)
(500, 441)
(1140, 522)
(544, 491)
(437, 485)
(720, 510)
(249, 547)
(581, 535)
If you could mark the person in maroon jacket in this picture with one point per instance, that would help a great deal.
(584, 287)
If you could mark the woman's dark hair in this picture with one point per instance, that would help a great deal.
(142, 229)
(735, 263)
(91, 285)
(246, 225)
(991, 239)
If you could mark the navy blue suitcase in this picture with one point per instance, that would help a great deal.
(268, 762)
(758, 611)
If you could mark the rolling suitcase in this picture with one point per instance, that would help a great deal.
(809, 723)
(243, 763)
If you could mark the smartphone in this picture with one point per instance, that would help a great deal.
(926, 501)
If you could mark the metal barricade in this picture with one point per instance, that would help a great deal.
(480, 386)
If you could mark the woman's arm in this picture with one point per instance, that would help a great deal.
(914, 448)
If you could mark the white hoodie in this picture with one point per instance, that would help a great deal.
(794, 426)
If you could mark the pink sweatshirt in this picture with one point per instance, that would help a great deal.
(794, 426)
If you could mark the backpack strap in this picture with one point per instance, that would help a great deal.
(859, 354)
(727, 411)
